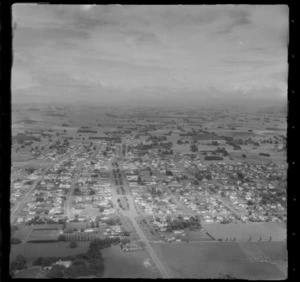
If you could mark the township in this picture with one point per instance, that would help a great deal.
(148, 178)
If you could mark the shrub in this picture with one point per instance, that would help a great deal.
(73, 244)
(19, 263)
(264, 154)
(62, 238)
(57, 271)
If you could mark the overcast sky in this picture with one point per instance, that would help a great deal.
(109, 53)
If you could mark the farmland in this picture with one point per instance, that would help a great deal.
(34, 250)
(29, 273)
(242, 232)
(209, 260)
(45, 235)
(120, 264)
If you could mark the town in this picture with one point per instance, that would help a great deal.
(170, 178)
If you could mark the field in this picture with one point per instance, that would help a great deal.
(34, 250)
(242, 232)
(44, 235)
(252, 155)
(29, 273)
(22, 232)
(21, 156)
(210, 260)
(198, 235)
(119, 264)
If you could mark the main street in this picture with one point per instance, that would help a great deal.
(132, 214)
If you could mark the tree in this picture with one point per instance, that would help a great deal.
(62, 238)
(194, 148)
(240, 175)
(39, 261)
(139, 180)
(208, 176)
(19, 263)
(125, 241)
(227, 276)
(249, 203)
(57, 271)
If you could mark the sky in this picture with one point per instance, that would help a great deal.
(123, 54)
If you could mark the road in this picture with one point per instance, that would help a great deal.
(156, 260)
(132, 214)
(234, 211)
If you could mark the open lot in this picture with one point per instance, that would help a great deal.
(44, 235)
(34, 250)
(245, 230)
(210, 260)
(119, 264)
(29, 273)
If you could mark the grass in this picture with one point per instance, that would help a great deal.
(22, 232)
(209, 260)
(29, 273)
(44, 235)
(244, 231)
(34, 250)
(119, 264)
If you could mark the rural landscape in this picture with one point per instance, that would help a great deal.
(149, 142)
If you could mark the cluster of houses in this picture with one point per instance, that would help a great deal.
(49, 196)
(18, 189)
(93, 187)
(242, 186)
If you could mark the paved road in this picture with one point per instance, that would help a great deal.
(132, 214)
(233, 210)
(156, 260)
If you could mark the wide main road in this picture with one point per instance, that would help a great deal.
(73, 185)
(154, 257)
(132, 214)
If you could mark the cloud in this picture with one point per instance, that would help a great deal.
(22, 79)
(86, 7)
(169, 49)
